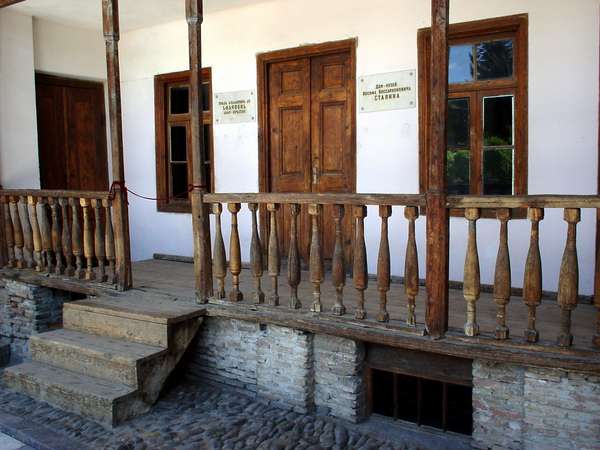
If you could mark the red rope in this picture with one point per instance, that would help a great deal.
(121, 187)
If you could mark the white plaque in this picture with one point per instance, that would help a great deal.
(235, 107)
(387, 91)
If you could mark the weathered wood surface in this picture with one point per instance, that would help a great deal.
(294, 258)
(472, 283)
(532, 283)
(35, 230)
(274, 262)
(360, 275)
(235, 254)
(256, 254)
(384, 264)
(523, 201)
(219, 260)
(338, 266)
(411, 266)
(316, 256)
(502, 275)
(54, 193)
(321, 199)
(568, 281)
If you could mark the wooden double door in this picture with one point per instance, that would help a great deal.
(71, 134)
(311, 136)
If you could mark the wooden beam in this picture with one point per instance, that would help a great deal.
(200, 212)
(110, 13)
(436, 317)
(5, 3)
(596, 339)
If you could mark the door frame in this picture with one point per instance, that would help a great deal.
(262, 61)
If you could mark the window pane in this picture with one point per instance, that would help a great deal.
(207, 161)
(498, 120)
(179, 180)
(495, 59)
(458, 166)
(431, 403)
(498, 167)
(460, 69)
(178, 144)
(180, 100)
(458, 123)
(206, 96)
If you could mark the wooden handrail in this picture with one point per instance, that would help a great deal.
(523, 201)
(101, 195)
(321, 199)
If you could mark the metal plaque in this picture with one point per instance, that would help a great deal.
(235, 107)
(387, 91)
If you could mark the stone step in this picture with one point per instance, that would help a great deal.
(104, 401)
(93, 355)
(130, 318)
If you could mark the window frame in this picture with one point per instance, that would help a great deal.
(515, 27)
(163, 121)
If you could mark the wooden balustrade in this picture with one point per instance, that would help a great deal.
(43, 231)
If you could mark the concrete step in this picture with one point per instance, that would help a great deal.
(133, 319)
(107, 402)
(98, 356)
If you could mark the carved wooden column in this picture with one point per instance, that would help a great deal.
(110, 10)
(411, 266)
(532, 284)
(294, 259)
(256, 261)
(76, 239)
(472, 287)
(46, 233)
(17, 232)
(568, 281)
(3, 243)
(88, 240)
(8, 233)
(502, 279)
(273, 263)
(99, 243)
(200, 211)
(359, 268)
(27, 232)
(67, 244)
(219, 257)
(383, 264)
(436, 314)
(109, 240)
(56, 235)
(338, 265)
(37, 236)
(235, 254)
(316, 257)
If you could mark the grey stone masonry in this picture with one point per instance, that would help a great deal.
(26, 309)
(290, 367)
(531, 408)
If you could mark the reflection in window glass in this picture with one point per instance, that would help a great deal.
(458, 172)
(180, 100)
(460, 69)
(205, 96)
(495, 59)
(458, 123)
(498, 170)
(179, 180)
(178, 144)
(498, 120)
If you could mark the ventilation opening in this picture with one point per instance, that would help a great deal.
(437, 404)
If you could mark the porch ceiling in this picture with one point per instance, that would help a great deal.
(134, 13)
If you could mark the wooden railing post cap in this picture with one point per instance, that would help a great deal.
(216, 208)
(294, 209)
(272, 206)
(385, 211)
(32, 200)
(194, 11)
(84, 202)
(63, 201)
(106, 202)
(411, 212)
(253, 206)
(503, 214)
(472, 213)
(535, 214)
(51, 201)
(572, 215)
(111, 19)
(234, 207)
(359, 211)
(315, 209)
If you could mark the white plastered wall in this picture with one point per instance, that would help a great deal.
(563, 114)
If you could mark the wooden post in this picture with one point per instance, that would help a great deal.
(256, 261)
(273, 259)
(568, 281)
(383, 264)
(532, 283)
(316, 256)
(110, 10)
(294, 259)
(502, 279)
(219, 258)
(436, 316)
(338, 267)
(200, 213)
(411, 266)
(472, 285)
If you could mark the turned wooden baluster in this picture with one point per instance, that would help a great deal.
(568, 281)
(532, 284)
(76, 246)
(338, 265)
(316, 256)
(109, 239)
(235, 256)
(18, 232)
(502, 281)
(294, 259)
(36, 234)
(383, 264)
(472, 287)
(67, 244)
(273, 263)
(256, 261)
(27, 232)
(411, 266)
(359, 266)
(46, 234)
(56, 235)
(88, 240)
(99, 242)
(8, 232)
(219, 257)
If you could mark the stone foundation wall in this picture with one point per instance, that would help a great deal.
(519, 407)
(292, 367)
(27, 309)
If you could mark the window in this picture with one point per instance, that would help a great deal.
(487, 107)
(173, 139)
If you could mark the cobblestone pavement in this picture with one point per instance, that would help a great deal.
(192, 416)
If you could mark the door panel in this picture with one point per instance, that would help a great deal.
(51, 136)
